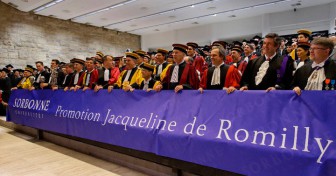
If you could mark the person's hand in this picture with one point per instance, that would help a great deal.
(158, 88)
(201, 90)
(86, 88)
(230, 89)
(32, 88)
(243, 88)
(297, 90)
(54, 87)
(43, 85)
(178, 88)
(109, 89)
(66, 89)
(97, 88)
(14, 88)
(270, 88)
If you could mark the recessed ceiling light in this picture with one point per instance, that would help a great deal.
(214, 15)
(211, 8)
(156, 30)
(103, 19)
(144, 8)
(172, 17)
(66, 11)
(192, 6)
(232, 16)
(195, 22)
(134, 25)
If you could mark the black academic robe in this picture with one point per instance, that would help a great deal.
(141, 86)
(66, 82)
(271, 78)
(5, 86)
(187, 77)
(223, 70)
(157, 76)
(303, 73)
(43, 79)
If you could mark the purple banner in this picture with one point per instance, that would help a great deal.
(251, 132)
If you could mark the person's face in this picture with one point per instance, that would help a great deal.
(289, 49)
(178, 56)
(139, 60)
(145, 73)
(26, 73)
(301, 52)
(282, 43)
(89, 65)
(215, 58)
(159, 58)
(53, 65)
(78, 67)
(130, 63)
(39, 67)
(17, 73)
(68, 69)
(146, 60)
(190, 51)
(302, 38)
(269, 46)
(247, 50)
(235, 56)
(319, 53)
(170, 60)
(108, 63)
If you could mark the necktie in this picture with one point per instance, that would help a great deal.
(145, 85)
(216, 76)
(174, 78)
(262, 71)
(159, 69)
(106, 74)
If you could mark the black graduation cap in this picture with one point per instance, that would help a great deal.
(206, 48)
(289, 42)
(9, 65)
(254, 42)
(237, 43)
(5, 70)
(257, 37)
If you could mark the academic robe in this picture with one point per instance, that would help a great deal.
(66, 82)
(271, 78)
(152, 83)
(187, 77)
(134, 79)
(80, 79)
(93, 78)
(44, 78)
(303, 73)
(229, 76)
(158, 76)
(199, 64)
(113, 77)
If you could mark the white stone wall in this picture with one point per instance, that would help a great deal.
(26, 38)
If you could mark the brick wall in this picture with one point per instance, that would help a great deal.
(26, 38)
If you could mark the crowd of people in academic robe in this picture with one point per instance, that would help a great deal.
(271, 63)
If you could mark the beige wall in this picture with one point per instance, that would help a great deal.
(26, 38)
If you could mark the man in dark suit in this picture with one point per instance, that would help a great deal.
(41, 77)
(319, 74)
(270, 71)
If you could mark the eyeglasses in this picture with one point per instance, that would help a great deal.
(311, 49)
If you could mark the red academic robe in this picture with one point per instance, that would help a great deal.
(93, 78)
(229, 76)
(187, 77)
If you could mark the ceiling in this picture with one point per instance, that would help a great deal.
(149, 16)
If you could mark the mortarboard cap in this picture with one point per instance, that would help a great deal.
(237, 43)
(99, 53)
(219, 43)
(162, 51)
(9, 65)
(192, 44)
(237, 48)
(180, 47)
(134, 56)
(148, 67)
(140, 53)
(29, 68)
(304, 32)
